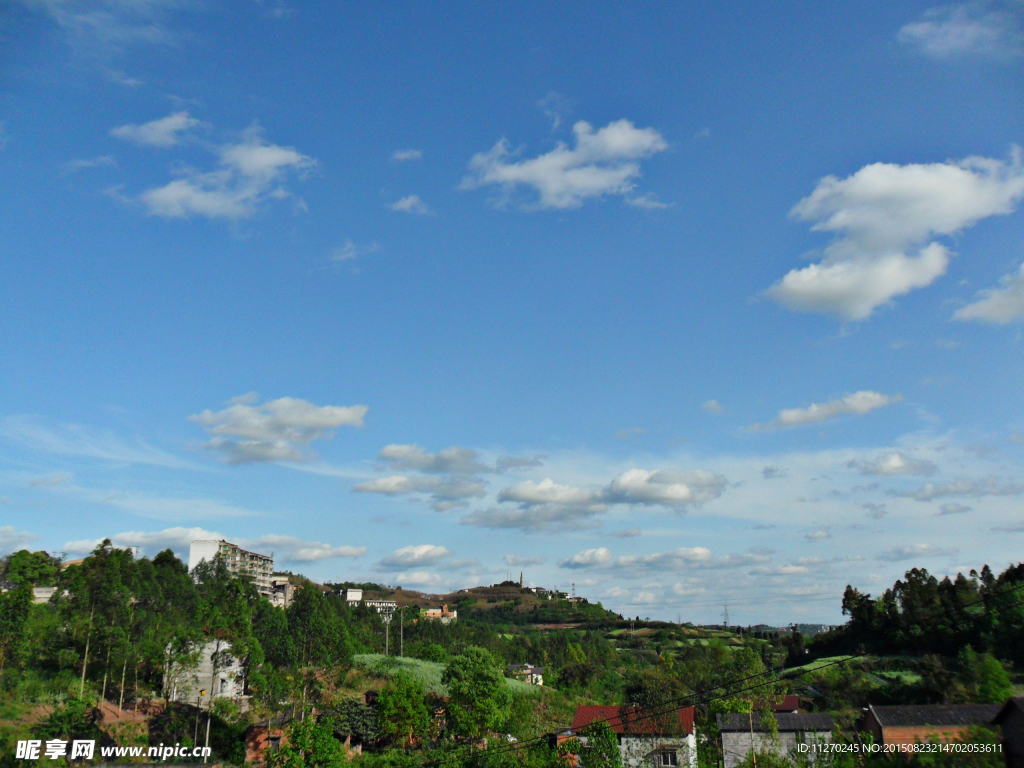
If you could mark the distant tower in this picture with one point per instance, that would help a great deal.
(520, 579)
(726, 616)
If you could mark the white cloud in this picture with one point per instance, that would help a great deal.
(454, 460)
(997, 305)
(529, 493)
(627, 533)
(11, 539)
(446, 492)
(93, 162)
(914, 551)
(157, 133)
(952, 508)
(882, 213)
(713, 406)
(817, 535)
(672, 488)
(548, 517)
(349, 250)
(988, 29)
(588, 558)
(782, 570)
(172, 508)
(278, 430)
(42, 482)
(989, 486)
(292, 549)
(251, 173)
(79, 440)
(649, 201)
(895, 463)
(404, 155)
(106, 28)
(414, 555)
(603, 162)
(874, 510)
(419, 579)
(859, 403)
(521, 560)
(411, 204)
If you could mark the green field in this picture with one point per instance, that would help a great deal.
(427, 672)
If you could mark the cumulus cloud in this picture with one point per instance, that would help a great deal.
(11, 539)
(659, 562)
(672, 488)
(453, 460)
(405, 155)
(588, 558)
(989, 486)
(250, 173)
(894, 463)
(414, 555)
(411, 204)
(603, 162)
(985, 29)
(997, 305)
(157, 133)
(914, 551)
(859, 403)
(278, 430)
(547, 491)
(884, 216)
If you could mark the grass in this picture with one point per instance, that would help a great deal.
(427, 672)
(819, 663)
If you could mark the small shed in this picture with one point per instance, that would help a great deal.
(943, 722)
(1011, 719)
(741, 733)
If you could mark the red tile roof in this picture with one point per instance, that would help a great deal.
(629, 719)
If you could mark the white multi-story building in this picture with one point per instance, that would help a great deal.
(240, 561)
(214, 673)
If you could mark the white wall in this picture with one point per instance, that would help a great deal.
(202, 550)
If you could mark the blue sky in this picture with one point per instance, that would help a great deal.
(684, 305)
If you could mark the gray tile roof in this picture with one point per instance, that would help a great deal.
(818, 721)
(935, 714)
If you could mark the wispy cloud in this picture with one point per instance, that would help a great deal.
(405, 155)
(915, 551)
(102, 161)
(162, 133)
(1001, 305)
(603, 162)
(985, 29)
(79, 440)
(251, 173)
(895, 463)
(416, 555)
(859, 403)
(989, 486)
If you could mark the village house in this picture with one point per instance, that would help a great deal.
(1011, 720)
(939, 722)
(217, 674)
(527, 673)
(441, 614)
(668, 741)
(741, 733)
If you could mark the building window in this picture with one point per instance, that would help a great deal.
(667, 759)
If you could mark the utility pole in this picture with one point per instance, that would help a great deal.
(387, 637)
(401, 632)
(726, 615)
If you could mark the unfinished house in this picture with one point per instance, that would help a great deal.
(741, 733)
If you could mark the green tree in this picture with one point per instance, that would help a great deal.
(602, 747)
(33, 568)
(309, 744)
(14, 610)
(478, 696)
(402, 713)
(994, 686)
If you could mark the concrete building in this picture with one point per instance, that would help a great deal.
(941, 722)
(239, 561)
(741, 733)
(527, 673)
(42, 595)
(1011, 720)
(217, 674)
(384, 607)
(282, 591)
(441, 614)
(668, 741)
(353, 597)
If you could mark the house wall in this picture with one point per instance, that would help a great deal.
(736, 744)
(1013, 738)
(636, 749)
(228, 682)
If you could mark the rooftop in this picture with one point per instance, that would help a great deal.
(744, 722)
(629, 719)
(935, 714)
